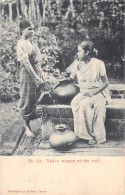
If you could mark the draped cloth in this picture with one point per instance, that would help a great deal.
(28, 83)
(89, 112)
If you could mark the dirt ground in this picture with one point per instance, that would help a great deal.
(8, 113)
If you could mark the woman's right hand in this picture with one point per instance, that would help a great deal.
(47, 86)
(40, 81)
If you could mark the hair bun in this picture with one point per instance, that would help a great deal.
(95, 51)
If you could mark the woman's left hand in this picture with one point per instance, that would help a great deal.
(89, 94)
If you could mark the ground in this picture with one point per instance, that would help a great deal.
(8, 113)
(39, 147)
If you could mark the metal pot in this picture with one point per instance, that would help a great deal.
(63, 94)
(66, 92)
(62, 138)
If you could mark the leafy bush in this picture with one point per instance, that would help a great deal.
(48, 45)
(9, 70)
(9, 88)
(102, 21)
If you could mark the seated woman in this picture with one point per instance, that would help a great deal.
(88, 106)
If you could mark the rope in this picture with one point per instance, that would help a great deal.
(55, 101)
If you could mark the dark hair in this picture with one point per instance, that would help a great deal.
(89, 46)
(24, 24)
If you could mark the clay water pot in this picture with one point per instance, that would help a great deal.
(62, 94)
(67, 90)
(62, 138)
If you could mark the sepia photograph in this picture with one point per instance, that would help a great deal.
(62, 86)
(62, 81)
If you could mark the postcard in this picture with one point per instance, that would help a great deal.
(62, 97)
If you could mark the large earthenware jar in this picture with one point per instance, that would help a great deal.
(62, 138)
(66, 92)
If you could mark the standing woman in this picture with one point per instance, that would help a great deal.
(89, 105)
(29, 56)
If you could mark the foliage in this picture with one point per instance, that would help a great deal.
(60, 26)
(48, 45)
(9, 70)
(100, 21)
(8, 63)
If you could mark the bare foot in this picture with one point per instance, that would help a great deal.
(29, 133)
(92, 142)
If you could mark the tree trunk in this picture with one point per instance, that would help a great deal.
(59, 6)
(30, 11)
(70, 10)
(2, 10)
(49, 7)
(33, 10)
(44, 4)
(10, 11)
(38, 16)
(17, 8)
(24, 9)
(101, 19)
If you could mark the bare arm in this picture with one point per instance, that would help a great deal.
(103, 85)
(30, 69)
(99, 89)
